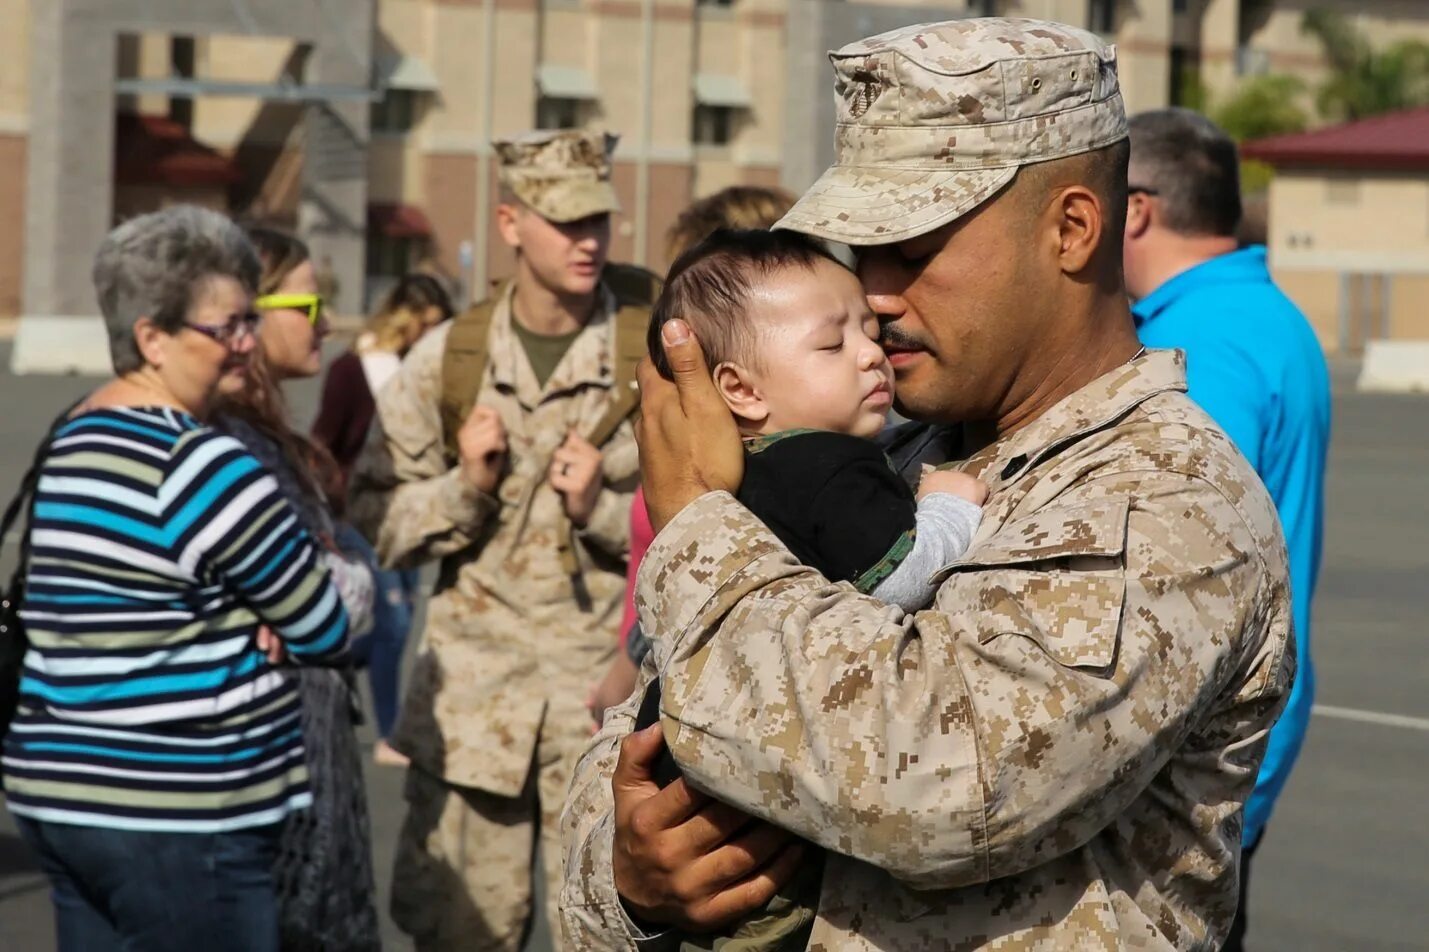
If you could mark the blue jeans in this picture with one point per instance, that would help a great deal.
(126, 891)
(391, 620)
(393, 602)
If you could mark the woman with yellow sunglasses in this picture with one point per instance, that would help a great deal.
(294, 323)
(326, 893)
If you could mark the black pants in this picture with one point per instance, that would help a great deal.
(1236, 941)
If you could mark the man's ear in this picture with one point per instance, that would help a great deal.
(740, 393)
(507, 215)
(1081, 222)
(151, 341)
(1138, 214)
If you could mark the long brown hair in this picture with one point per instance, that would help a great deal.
(261, 403)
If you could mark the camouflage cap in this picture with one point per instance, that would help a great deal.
(935, 119)
(564, 175)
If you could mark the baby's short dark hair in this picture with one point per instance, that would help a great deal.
(709, 288)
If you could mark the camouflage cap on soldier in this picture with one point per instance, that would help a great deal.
(562, 175)
(935, 119)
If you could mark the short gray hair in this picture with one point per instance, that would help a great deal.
(153, 265)
(1194, 167)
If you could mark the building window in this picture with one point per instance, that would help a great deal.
(713, 125)
(396, 112)
(556, 113)
(390, 257)
(1342, 191)
(983, 8)
(1251, 62)
(1101, 16)
(1180, 6)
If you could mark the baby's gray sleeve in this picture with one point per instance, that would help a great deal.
(946, 524)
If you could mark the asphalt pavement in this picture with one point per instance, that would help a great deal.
(1344, 866)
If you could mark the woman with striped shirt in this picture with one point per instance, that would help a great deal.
(157, 748)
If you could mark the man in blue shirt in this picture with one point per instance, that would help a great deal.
(1253, 363)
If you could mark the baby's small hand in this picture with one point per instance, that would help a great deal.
(951, 481)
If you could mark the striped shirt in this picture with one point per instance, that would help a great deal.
(158, 546)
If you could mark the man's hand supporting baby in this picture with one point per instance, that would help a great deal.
(689, 442)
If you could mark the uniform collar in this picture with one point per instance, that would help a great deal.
(1094, 407)
(589, 361)
(1244, 266)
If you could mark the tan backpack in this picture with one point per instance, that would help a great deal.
(467, 357)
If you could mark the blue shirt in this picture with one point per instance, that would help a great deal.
(1254, 364)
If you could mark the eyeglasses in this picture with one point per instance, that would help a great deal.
(1134, 189)
(225, 334)
(312, 303)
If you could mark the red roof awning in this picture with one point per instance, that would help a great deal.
(1393, 141)
(155, 150)
(397, 220)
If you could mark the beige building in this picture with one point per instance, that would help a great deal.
(1349, 226)
(704, 93)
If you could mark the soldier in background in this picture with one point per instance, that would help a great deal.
(1057, 753)
(503, 448)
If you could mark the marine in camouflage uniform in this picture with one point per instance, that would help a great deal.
(1056, 754)
(493, 718)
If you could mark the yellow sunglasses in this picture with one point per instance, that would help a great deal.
(312, 303)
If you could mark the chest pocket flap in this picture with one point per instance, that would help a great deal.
(1055, 577)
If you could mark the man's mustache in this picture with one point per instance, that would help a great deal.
(889, 335)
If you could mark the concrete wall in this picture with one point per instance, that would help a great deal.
(69, 196)
(1350, 218)
(1330, 229)
(14, 146)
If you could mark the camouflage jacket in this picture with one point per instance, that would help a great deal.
(506, 645)
(1054, 756)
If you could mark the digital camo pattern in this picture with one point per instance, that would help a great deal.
(1054, 756)
(461, 875)
(493, 716)
(505, 639)
(935, 119)
(564, 175)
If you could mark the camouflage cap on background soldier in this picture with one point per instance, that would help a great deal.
(935, 119)
(562, 175)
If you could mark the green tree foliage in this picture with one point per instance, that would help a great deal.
(1365, 82)
(1263, 106)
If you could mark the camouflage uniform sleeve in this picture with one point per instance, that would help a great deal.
(403, 496)
(592, 916)
(609, 525)
(1066, 658)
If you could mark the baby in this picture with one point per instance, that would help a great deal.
(794, 352)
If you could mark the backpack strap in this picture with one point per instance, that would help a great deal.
(464, 363)
(467, 355)
(635, 292)
(631, 322)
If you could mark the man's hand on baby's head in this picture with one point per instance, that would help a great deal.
(951, 481)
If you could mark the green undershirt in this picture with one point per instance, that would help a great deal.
(544, 351)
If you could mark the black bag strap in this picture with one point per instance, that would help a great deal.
(27, 492)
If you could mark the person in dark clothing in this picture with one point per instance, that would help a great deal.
(416, 304)
(796, 357)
